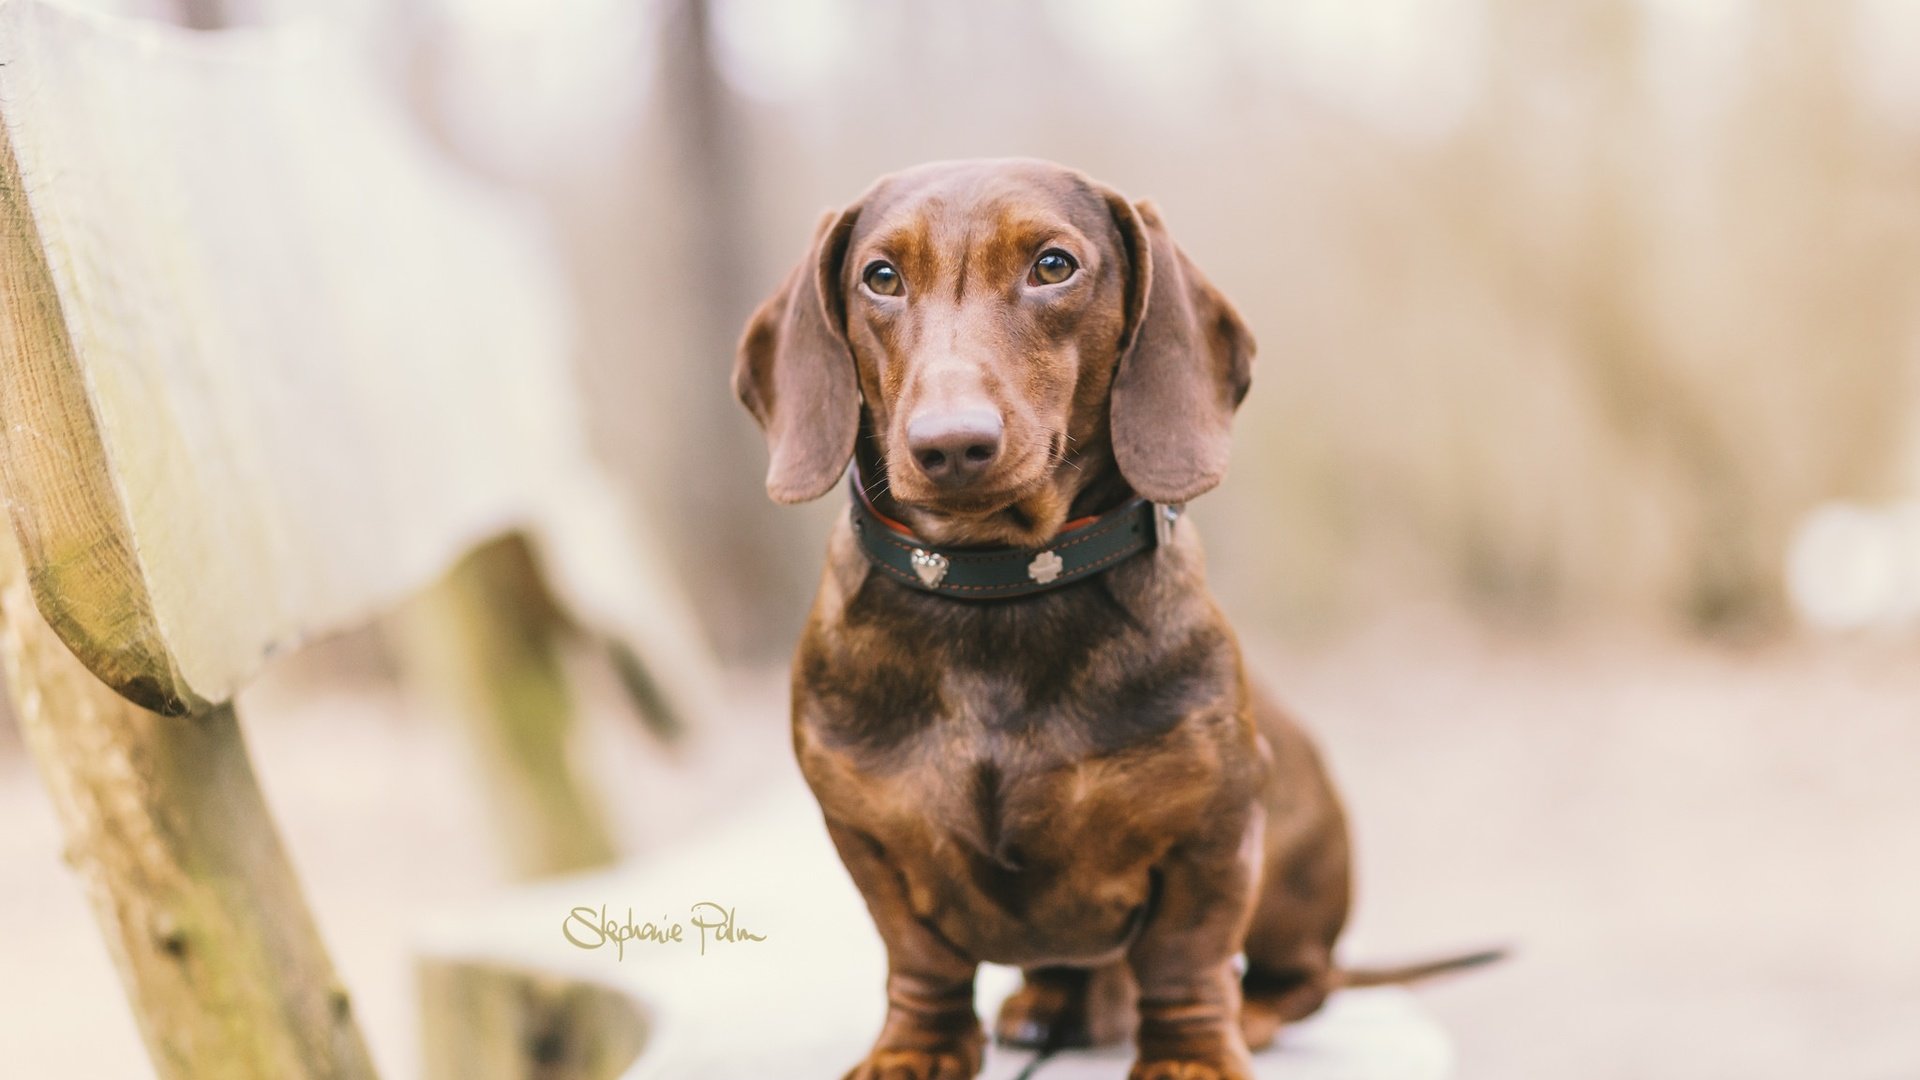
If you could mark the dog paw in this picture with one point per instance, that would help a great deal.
(916, 1065)
(1270, 1005)
(1188, 1070)
(1041, 1016)
(1259, 1024)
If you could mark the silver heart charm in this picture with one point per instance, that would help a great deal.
(1045, 567)
(930, 565)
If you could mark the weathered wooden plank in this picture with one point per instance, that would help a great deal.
(60, 490)
(270, 364)
(168, 832)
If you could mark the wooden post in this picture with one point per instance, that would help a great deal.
(487, 1021)
(486, 642)
(167, 829)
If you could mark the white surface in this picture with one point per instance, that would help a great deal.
(807, 1001)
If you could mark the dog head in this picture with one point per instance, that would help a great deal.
(1004, 332)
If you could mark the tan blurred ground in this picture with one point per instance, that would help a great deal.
(1709, 861)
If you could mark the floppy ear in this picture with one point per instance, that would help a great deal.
(1186, 360)
(794, 371)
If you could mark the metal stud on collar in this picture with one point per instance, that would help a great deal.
(1045, 567)
(931, 566)
(1165, 516)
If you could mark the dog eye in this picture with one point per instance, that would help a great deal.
(1051, 268)
(882, 278)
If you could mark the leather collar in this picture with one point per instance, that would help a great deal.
(1085, 547)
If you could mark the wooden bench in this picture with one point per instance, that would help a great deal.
(269, 367)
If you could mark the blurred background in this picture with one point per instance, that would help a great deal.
(1572, 504)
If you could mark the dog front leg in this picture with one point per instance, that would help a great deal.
(1183, 962)
(931, 1031)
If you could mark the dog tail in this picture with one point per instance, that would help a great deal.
(1393, 976)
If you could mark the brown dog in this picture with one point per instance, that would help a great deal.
(1077, 781)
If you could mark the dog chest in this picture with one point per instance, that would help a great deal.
(1027, 849)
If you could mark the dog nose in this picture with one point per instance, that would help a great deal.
(953, 448)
